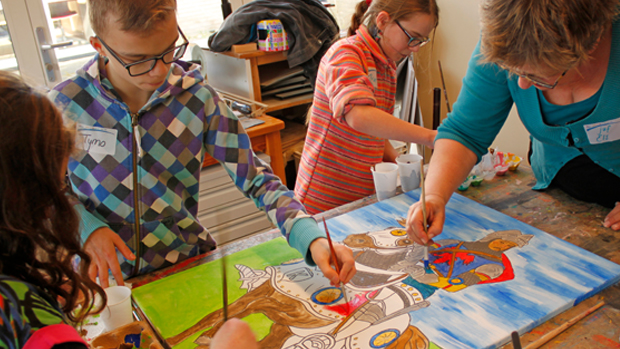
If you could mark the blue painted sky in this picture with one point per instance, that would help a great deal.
(550, 274)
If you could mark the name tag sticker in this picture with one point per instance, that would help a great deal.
(96, 140)
(603, 132)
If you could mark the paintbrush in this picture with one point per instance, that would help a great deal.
(423, 199)
(224, 289)
(516, 341)
(333, 252)
(443, 83)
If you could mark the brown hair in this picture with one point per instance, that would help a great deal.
(396, 9)
(138, 16)
(553, 34)
(39, 235)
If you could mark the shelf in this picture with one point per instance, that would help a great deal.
(274, 104)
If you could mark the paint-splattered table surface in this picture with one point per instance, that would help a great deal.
(577, 222)
(551, 211)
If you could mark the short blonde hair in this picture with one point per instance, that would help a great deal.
(136, 16)
(552, 34)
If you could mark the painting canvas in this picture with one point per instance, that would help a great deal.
(489, 275)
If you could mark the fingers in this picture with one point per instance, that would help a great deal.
(102, 271)
(415, 221)
(123, 248)
(92, 271)
(414, 225)
(322, 256)
(345, 259)
(102, 245)
(234, 333)
(613, 218)
(115, 268)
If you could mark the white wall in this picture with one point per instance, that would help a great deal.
(455, 39)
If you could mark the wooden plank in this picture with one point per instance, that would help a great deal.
(274, 104)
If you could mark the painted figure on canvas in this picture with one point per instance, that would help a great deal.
(391, 282)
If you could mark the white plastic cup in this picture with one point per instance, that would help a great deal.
(409, 171)
(384, 175)
(118, 309)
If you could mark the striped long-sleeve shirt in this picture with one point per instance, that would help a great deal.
(336, 160)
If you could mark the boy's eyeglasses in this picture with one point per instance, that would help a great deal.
(146, 65)
(413, 40)
(534, 80)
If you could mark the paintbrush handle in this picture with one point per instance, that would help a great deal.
(544, 339)
(423, 196)
(331, 248)
(224, 290)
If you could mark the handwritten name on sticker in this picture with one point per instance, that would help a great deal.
(603, 132)
(96, 140)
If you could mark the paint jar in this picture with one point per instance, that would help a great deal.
(409, 167)
(485, 167)
(117, 311)
(384, 175)
(466, 183)
(512, 161)
(476, 181)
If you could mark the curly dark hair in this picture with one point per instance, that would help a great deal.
(39, 237)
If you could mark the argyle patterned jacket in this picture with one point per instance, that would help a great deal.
(145, 186)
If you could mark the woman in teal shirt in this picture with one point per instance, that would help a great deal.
(558, 61)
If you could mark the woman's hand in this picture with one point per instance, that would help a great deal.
(613, 218)
(436, 215)
(319, 248)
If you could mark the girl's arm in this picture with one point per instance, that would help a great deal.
(376, 122)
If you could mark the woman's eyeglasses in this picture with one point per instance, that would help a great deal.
(533, 79)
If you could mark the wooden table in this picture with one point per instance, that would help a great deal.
(266, 138)
(551, 211)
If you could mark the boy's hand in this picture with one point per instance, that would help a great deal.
(101, 246)
(322, 257)
(234, 334)
(613, 218)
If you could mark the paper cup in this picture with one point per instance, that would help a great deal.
(384, 175)
(118, 309)
(409, 171)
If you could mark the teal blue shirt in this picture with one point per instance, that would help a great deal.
(488, 94)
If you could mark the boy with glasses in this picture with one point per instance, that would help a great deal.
(146, 120)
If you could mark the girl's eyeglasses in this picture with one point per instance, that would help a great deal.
(413, 40)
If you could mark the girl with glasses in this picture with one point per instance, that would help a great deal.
(350, 122)
(556, 60)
